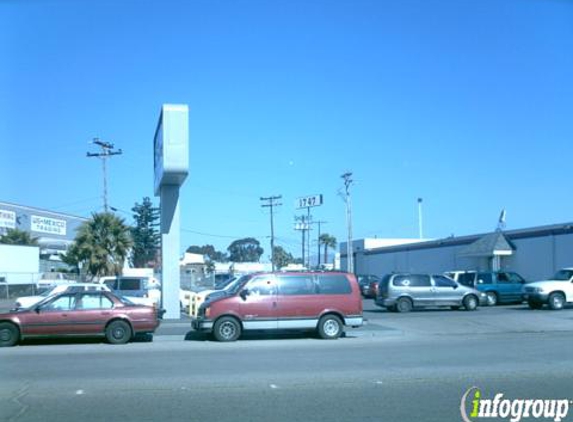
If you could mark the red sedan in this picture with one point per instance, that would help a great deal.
(87, 314)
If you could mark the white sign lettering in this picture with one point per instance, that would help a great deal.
(48, 225)
(309, 201)
(7, 219)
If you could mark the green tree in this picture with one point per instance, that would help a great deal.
(282, 258)
(209, 251)
(245, 250)
(327, 241)
(144, 234)
(18, 237)
(101, 245)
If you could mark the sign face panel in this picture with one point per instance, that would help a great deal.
(48, 225)
(7, 219)
(171, 146)
(309, 201)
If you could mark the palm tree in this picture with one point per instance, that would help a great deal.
(102, 245)
(18, 237)
(329, 242)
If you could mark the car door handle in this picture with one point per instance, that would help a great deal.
(106, 313)
(274, 304)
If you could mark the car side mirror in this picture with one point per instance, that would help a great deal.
(244, 293)
(37, 309)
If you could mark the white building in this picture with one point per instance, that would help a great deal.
(535, 253)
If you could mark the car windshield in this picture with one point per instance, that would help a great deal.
(236, 285)
(563, 275)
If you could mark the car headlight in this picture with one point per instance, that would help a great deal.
(538, 289)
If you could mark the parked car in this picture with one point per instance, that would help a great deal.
(50, 279)
(322, 302)
(27, 301)
(555, 292)
(499, 286)
(140, 290)
(368, 284)
(403, 292)
(86, 313)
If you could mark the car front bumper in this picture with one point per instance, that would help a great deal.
(539, 297)
(202, 324)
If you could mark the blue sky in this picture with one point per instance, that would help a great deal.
(466, 104)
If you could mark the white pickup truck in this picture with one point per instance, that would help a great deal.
(555, 292)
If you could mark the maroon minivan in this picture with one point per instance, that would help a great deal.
(321, 301)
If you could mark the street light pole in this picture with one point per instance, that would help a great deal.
(420, 218)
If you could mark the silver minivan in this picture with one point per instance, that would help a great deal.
(403, 292)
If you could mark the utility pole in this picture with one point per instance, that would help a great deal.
(106, 152)
(301, 224)
(349, 249)
(420, 218)
(318, 241)
(271, 204)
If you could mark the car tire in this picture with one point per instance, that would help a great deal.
(556, 301)
(404, 305)
(491, 298)
(118, 332)
(227, 329)
(9, 334)
(470, 303)
(330, 327)
(534, 305)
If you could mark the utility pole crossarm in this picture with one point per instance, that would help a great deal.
(106, 152)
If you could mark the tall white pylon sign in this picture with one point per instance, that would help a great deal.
(171, 162)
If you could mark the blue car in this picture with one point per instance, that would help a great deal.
(499, 286)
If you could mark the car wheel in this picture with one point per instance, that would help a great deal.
(404, 305)
(9, 334)
(227, 329)
(491, 298)
(118, 332)
(470, 303)
(330, 327)
(556, 301)
(535, 305)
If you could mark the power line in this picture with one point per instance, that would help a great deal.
(271, 204)
(106, 152)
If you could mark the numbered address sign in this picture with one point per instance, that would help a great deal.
(309, 201)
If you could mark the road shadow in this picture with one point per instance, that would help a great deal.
(60, 341)
(262, 335)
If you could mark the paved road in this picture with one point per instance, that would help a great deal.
(412, 367)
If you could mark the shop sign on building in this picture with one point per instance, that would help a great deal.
(48, 225)
(7, 219)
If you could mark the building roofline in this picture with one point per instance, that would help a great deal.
(55, 213)
(553, 229)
